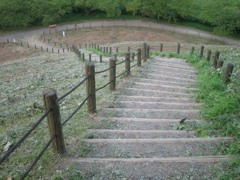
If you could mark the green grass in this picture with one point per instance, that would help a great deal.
(221, 108)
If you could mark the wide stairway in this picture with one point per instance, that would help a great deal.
(150, 130)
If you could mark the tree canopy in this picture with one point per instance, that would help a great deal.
(223, 16)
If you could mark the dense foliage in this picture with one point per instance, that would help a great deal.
(223, 16)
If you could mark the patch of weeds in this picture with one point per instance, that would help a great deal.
(221, 110)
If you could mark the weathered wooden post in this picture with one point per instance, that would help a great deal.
(98, 47)
(52, 50)
(110, 50)
(209, 53)
(220, 63)
(139, 58)
(58, 51)
(90, 57)
(161, 47)
(90, 87)
(201, 52)
(127, 63)
(35, 46)
(7, 40)
(41, 48)
(116, 49)
(112, 75)
(21, 43)
(83, 57)
(133, 56)
(178, 49)
(148, 52)
(192, 50)
(54, 120)
(47, 49)
(115, 56)
(106, 49)
(229, 71)
(100, 58)
(129, 49)
(217, 54)
(144, 52)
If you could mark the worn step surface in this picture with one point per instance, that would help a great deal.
(140, 134)
(149, 130)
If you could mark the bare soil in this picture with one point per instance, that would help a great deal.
(111, 35)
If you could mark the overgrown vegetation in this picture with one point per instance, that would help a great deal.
(220, 16)
(222, 105)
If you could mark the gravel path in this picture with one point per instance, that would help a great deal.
(141, 135)
(135, 23)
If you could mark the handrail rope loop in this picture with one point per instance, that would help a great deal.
(104, 86)
(24, 137)
(79, 107)
(73, 89)
(37, 158)
(99, 72)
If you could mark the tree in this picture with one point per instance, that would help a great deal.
(224, 15)
(87, 5)
(113, 8)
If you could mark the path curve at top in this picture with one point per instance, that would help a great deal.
(129, 23)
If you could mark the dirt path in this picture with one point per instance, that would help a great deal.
(130, 23)
(141, 137)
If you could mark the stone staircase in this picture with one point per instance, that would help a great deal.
(149, 131)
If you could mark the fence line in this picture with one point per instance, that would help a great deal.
(51, 100)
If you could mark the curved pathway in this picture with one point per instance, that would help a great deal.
(130, 23)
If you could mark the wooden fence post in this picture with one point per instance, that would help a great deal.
(133, 56)
(90, 57)
(127, 63)
(90, 87)
(83, 57)
(217, 54)
(112, 75)
(192, 51)
(144, 52)
(220, 63)
(209, 53)
(129, 49)
(148, 52)
(54, 120)
(201, 52)
(110, 50)
(104, 49)
(100, 58)
(229, 71)
(161, 47)
(139, 58)
(178, 49)
(116, 49)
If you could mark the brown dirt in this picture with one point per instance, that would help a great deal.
(11, 52)
(120, 34)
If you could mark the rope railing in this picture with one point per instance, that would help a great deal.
(73, 89)
(99, 72)
(37, 158)
(103, 86)
(120, 74)
(79, 107)
(24, 137)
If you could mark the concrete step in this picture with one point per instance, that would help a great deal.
(152, 113)
(156, 99)
(154, 105)
(172, 168)
(156, 93)
(171, 88)
(169, 77)
(119, 123)
(162, 82)
(155, 148)
(140, 134)
(173, 68)
(168, 72)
